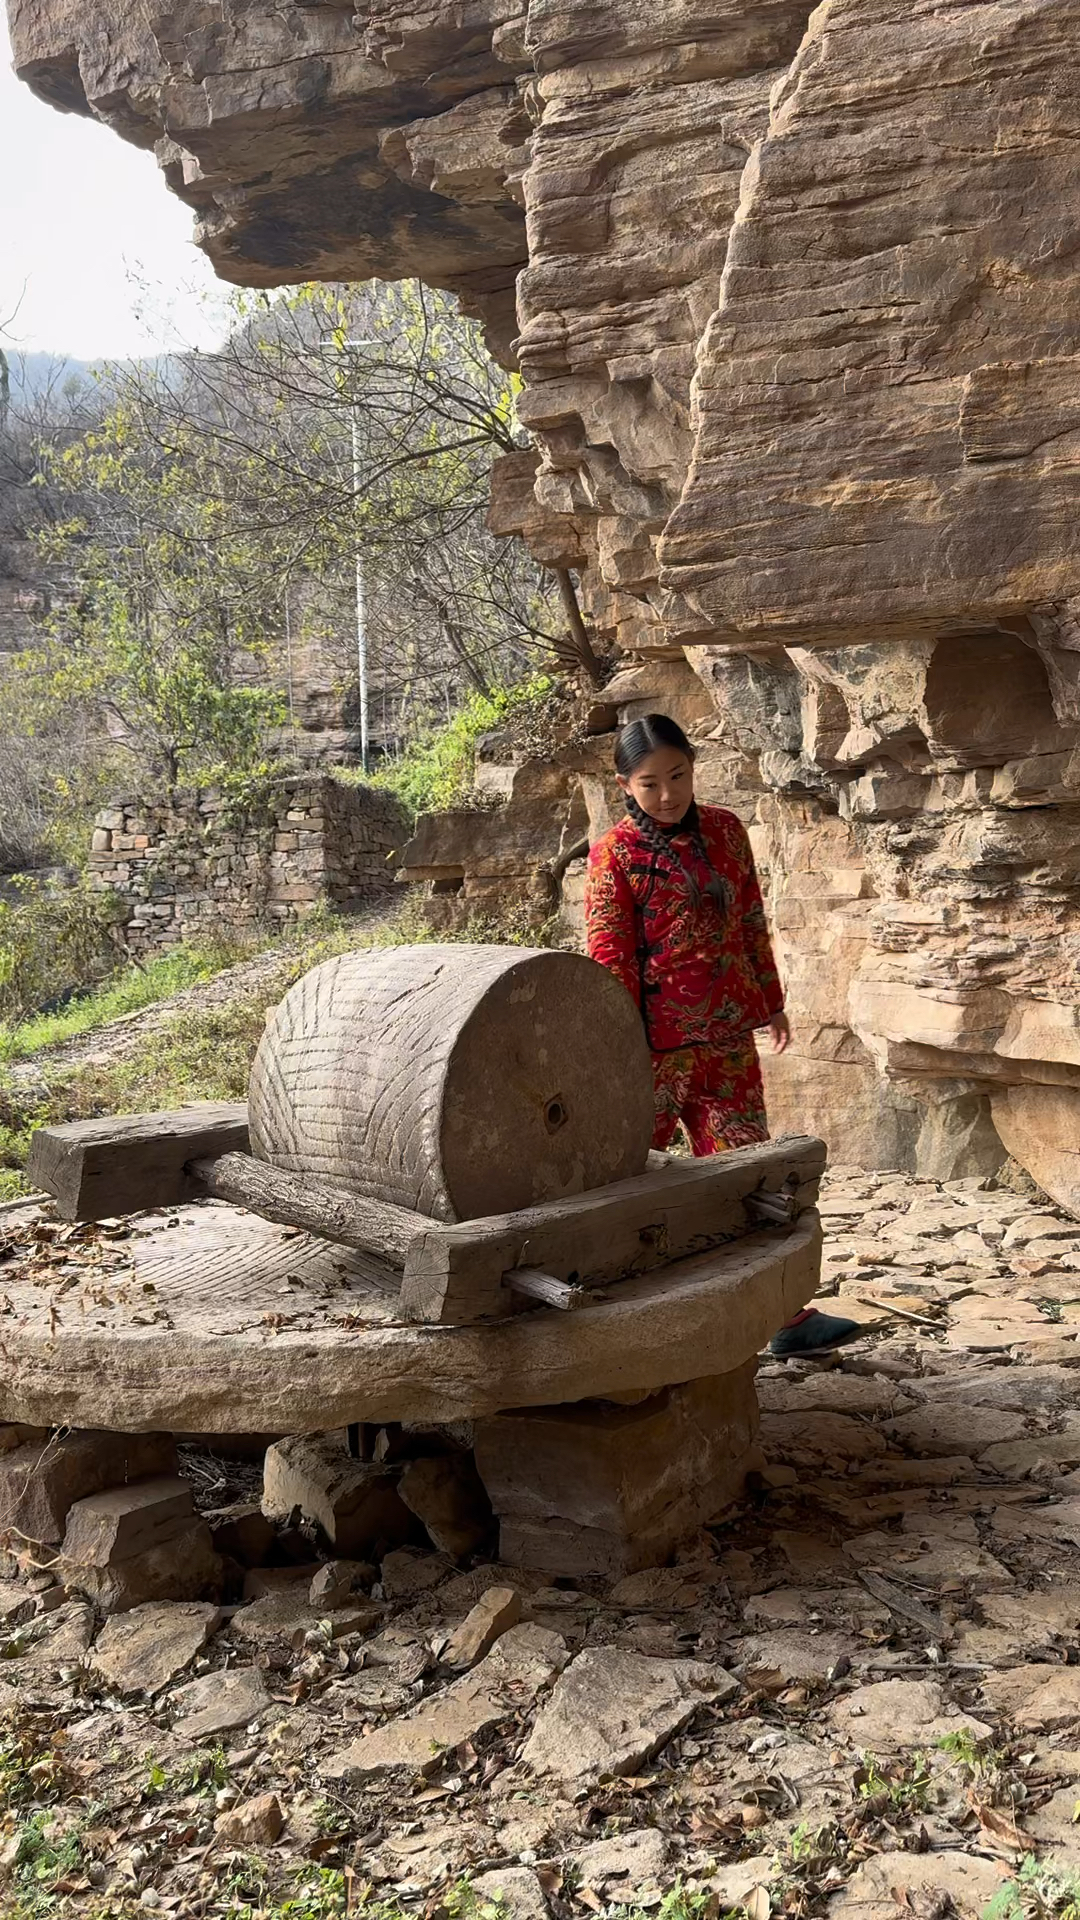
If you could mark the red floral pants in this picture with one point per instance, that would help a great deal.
(715, 1093)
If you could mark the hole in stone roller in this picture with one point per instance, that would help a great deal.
(555, 1115)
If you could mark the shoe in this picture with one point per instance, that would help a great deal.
(811, 1333)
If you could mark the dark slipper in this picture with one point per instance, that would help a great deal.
(813, 1333)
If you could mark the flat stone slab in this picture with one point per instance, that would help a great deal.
(218, 1703)
(141, 1651)
(880, 1887)
(611, 1710)
(224, 1323)
(506, 1680)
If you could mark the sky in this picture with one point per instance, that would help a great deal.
(96, 256)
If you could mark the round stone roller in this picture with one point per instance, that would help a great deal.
(455, 1080)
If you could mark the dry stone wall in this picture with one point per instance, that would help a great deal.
(201, 862)
(792, 292)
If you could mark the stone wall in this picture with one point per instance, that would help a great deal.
(200, 863)
(792, 291)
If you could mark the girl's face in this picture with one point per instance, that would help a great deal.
(662, 784)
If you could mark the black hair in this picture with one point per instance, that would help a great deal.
(635, 742)
(641, 737)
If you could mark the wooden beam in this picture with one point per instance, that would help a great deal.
(96, 1168)
(319, 1206)
(455, 1274)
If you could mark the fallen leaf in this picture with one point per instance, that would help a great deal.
(993, 1820)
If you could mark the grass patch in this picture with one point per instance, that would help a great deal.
(1039, 1892)
(126, 992)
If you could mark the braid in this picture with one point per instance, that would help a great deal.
(659, 844)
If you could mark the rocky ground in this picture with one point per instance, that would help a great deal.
(857, 1695)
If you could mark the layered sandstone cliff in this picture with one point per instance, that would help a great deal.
(793, 295)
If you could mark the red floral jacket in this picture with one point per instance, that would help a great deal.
(700, 975)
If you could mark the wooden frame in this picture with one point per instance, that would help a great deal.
(559, 1254)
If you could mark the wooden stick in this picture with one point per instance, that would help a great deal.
(317, 1206)
(531, 1284)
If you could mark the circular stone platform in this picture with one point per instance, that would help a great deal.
(214, 1321)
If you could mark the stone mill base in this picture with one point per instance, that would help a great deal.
(593, 1488)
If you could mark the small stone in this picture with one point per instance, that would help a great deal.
(335, 1583)
(611, 1710)
(259, 1581)
(732, 1885)
(816, 1606)
(219, 1703)
(278, 1616)
(882, 1885)
(794, 1655)
(1055, 1823)
(931, 1566)
(448, 1497)
(1015, 1458)
(831, 1391)
(64, 1643)
(666, 1589)
(1035, 1697)
(819, 1439)
(408, 1571)
(950, 1430)
(638, 1857)
(17, 1604)
(140, 1651)
(516, 1890)
(254, 1823)
(494, 1614)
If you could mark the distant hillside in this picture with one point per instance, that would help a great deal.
(35, 374)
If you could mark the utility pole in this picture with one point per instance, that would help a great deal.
(361, 608)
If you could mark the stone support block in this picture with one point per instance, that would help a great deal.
(447, 1495)
(599, 1489)
(357, 1506)
(43, 1478)
(137, 1543)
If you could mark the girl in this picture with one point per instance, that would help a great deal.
(673, 908)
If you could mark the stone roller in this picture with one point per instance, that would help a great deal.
(454, 1081)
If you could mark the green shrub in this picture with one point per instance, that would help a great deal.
(52, 938)
(438, 771)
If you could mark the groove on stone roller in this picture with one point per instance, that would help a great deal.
(457, 1080)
